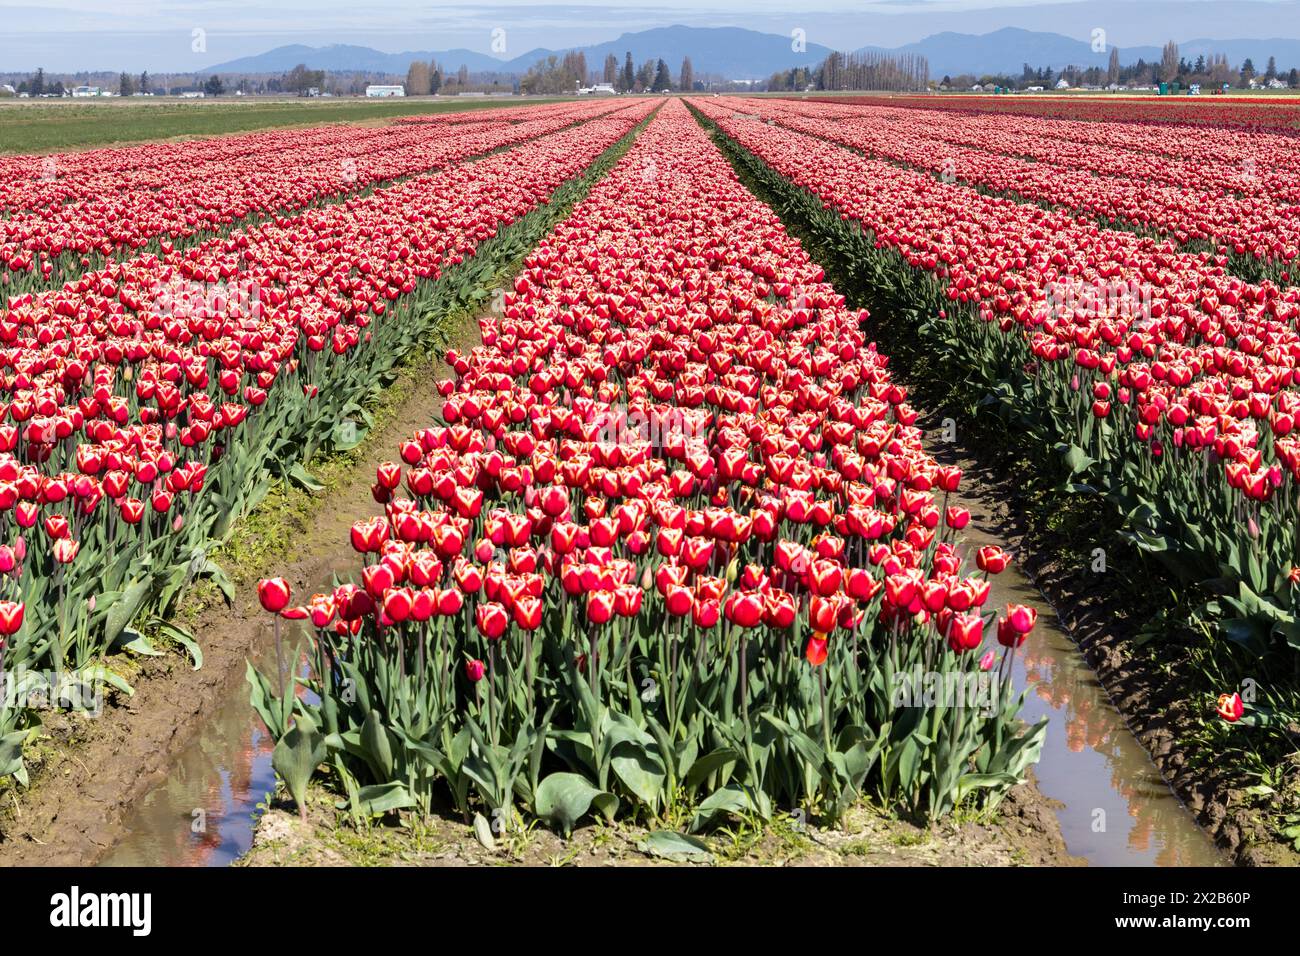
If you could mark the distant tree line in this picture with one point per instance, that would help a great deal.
(1213, 70)
(869, 70)
(555, 75)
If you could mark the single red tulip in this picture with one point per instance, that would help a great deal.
(11, 617)
(491, 619)
(274, 594)
(1231, 707)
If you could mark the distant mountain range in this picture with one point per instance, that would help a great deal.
(747, 54)
(1007, 50)
(728, 51)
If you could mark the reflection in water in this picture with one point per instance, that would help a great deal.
(202, 813)
(225, 772)
(1117, 810)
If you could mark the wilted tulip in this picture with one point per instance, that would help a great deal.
(1230, 707)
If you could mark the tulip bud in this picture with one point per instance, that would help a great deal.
(815, 652)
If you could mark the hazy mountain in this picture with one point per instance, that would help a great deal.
(1007, 50)
(1003, 51)
(347, 57)
(729, 51)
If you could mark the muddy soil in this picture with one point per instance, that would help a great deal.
(1023, 832)
(88, 771)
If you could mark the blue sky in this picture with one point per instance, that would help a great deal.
(158, 34)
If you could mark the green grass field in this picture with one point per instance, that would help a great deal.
(39, 127)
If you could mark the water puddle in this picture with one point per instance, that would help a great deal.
(204, 812)
(1116, 810)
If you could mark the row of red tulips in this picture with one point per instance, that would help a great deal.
(62, 215)
(36, 182)
(46, 181)
(1237, 115)
(1244, 203)
(676, 543)
(509, 114)
(1175, 403)
(1258, 165)
(151, 402)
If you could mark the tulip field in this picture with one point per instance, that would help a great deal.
(1164, 378)
(1227, 193)
(675, 537)
(1157, 377)
(152, 399)
(64, 215)
(667, 550)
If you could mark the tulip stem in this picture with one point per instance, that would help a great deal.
(528, 666)
(63, 626)
(826, 716)
(672, 669)
(279, 658)
(492, 672)
(744, 685)
(419, 650)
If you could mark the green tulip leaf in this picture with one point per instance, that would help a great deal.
(185, 639)
(483, 832)
(641, 772)
(304, 479)
(378, 748)
(135, 642)
(124, 609)
(296, 757)
(563, 798)
(11, 752)
(383, 798)
(675, 846)
(732, 798)
(102, 673)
